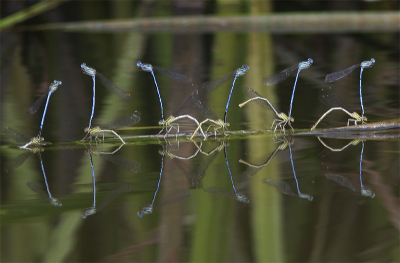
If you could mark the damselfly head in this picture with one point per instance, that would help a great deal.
(145, 67)
(88, 70)
(161, 122)
(305, 64)
(241, 71)
(309, 197)
(368, 63)
(148, 209)
(242, 198)
(88, 212)
(291, 119)
(55, 202)
(367, 192)
(54, 85)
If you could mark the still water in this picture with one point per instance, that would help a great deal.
(256, 198)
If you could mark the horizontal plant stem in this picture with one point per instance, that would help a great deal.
(29, 12)
(276, 23)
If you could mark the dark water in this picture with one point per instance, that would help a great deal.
(320, 213)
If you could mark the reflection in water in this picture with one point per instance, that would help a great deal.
(148, 209)
(283, 186)
(240, 197)
(20, 159)
(195, 176)
(220, 191)
(36, 188)
(364, 191)
(255, 168)
(127, 164)
(343, 181)
(353, 142)
(175, 197)
(113, 194)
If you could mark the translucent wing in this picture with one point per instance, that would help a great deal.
(280, 76)
(125, 121)
(129, 165)
(173, 74)
(36, 105)
(213, 84)
(113, 88)
(340, 74)
(343, 181)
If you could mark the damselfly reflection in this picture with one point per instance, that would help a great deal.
(175, 197)
(108, 84)
(213, 84)
(353, 142)
(235, 195)
(53, 87)
(331, 99)
(108, 198)
(284, 187)
(169, 73)
(343, 73)
(284, 74)
(254, 168)
(20, 159)
(194, 175)
(264, 103)
(125, 163)
(125, 121)
(36, 188)
(21, 138)
(341, 179)
(113, 194)
(148, 209)
(345, 182)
